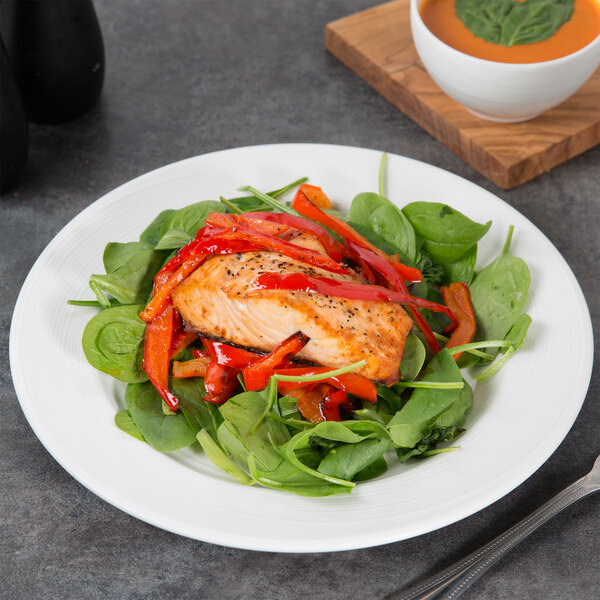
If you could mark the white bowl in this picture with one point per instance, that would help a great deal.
(503, 92)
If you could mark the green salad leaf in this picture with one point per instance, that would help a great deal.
(446, 233)
(499, 293)
(164, 433)
(113, 342)
(510, 22)
(387, 221)
(130, 270)
(180, 226)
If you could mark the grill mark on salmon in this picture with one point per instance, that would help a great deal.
(213, 302)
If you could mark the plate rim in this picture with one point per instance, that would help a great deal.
(88, 480)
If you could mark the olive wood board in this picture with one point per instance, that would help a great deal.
(377, 45)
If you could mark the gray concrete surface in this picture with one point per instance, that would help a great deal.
(185, 77)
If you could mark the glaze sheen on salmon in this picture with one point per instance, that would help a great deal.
(218, 301)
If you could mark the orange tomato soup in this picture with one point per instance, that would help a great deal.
(584, 26)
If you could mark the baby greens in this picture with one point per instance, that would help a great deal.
(513, 22)
(260, 436)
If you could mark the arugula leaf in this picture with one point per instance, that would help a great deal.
(499, 293)
(220, 459)
(286, 477)
(164, 433)
(510, 22)
(113, 342)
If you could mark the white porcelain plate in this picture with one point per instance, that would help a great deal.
(519, 417)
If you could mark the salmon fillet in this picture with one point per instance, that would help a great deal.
(214, 302)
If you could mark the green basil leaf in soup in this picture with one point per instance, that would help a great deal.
(512, 22)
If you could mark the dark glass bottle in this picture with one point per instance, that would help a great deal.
(14, 130)
(57, 54)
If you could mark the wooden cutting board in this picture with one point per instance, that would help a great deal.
(377, 45)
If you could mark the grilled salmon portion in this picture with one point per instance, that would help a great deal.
(215, 302)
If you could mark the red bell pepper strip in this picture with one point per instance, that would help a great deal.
(162, 297)
(458, 300)
(316, 195)
(246, 220)
(396, 282)
(182, 339)
(310, 284)
(306, 208)
(196, 367)
(220, 382)
(157, 354)
(283, 353)
(274, 244)
(330, 407)
(309, 400)
(331, 245)
(353, 383)
(228, 356)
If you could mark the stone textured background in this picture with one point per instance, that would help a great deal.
(185, 77)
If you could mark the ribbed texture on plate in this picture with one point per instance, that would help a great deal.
(520, 416)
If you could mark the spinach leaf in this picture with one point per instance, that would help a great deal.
(347, 460)
(462, 269)
(151, 234)
(447, 234)
(220, 459)
(413, 357)
(375, 469)
(130, 274)
(516, 337)
(387, 221)
(183, 224)
(287, 477)
(499, 293)
(336, 439)
(510, 22)
(116, 254)
(113, 342)
(246, 430)
(125, 423)
(199, 414)
(172, 239)
(456, 415)
(424, 406)
(164, 433)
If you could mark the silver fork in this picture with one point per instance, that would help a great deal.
(454, 580)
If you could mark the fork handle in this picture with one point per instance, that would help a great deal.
(455, 579)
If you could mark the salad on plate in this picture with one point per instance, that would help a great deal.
(303, 348)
